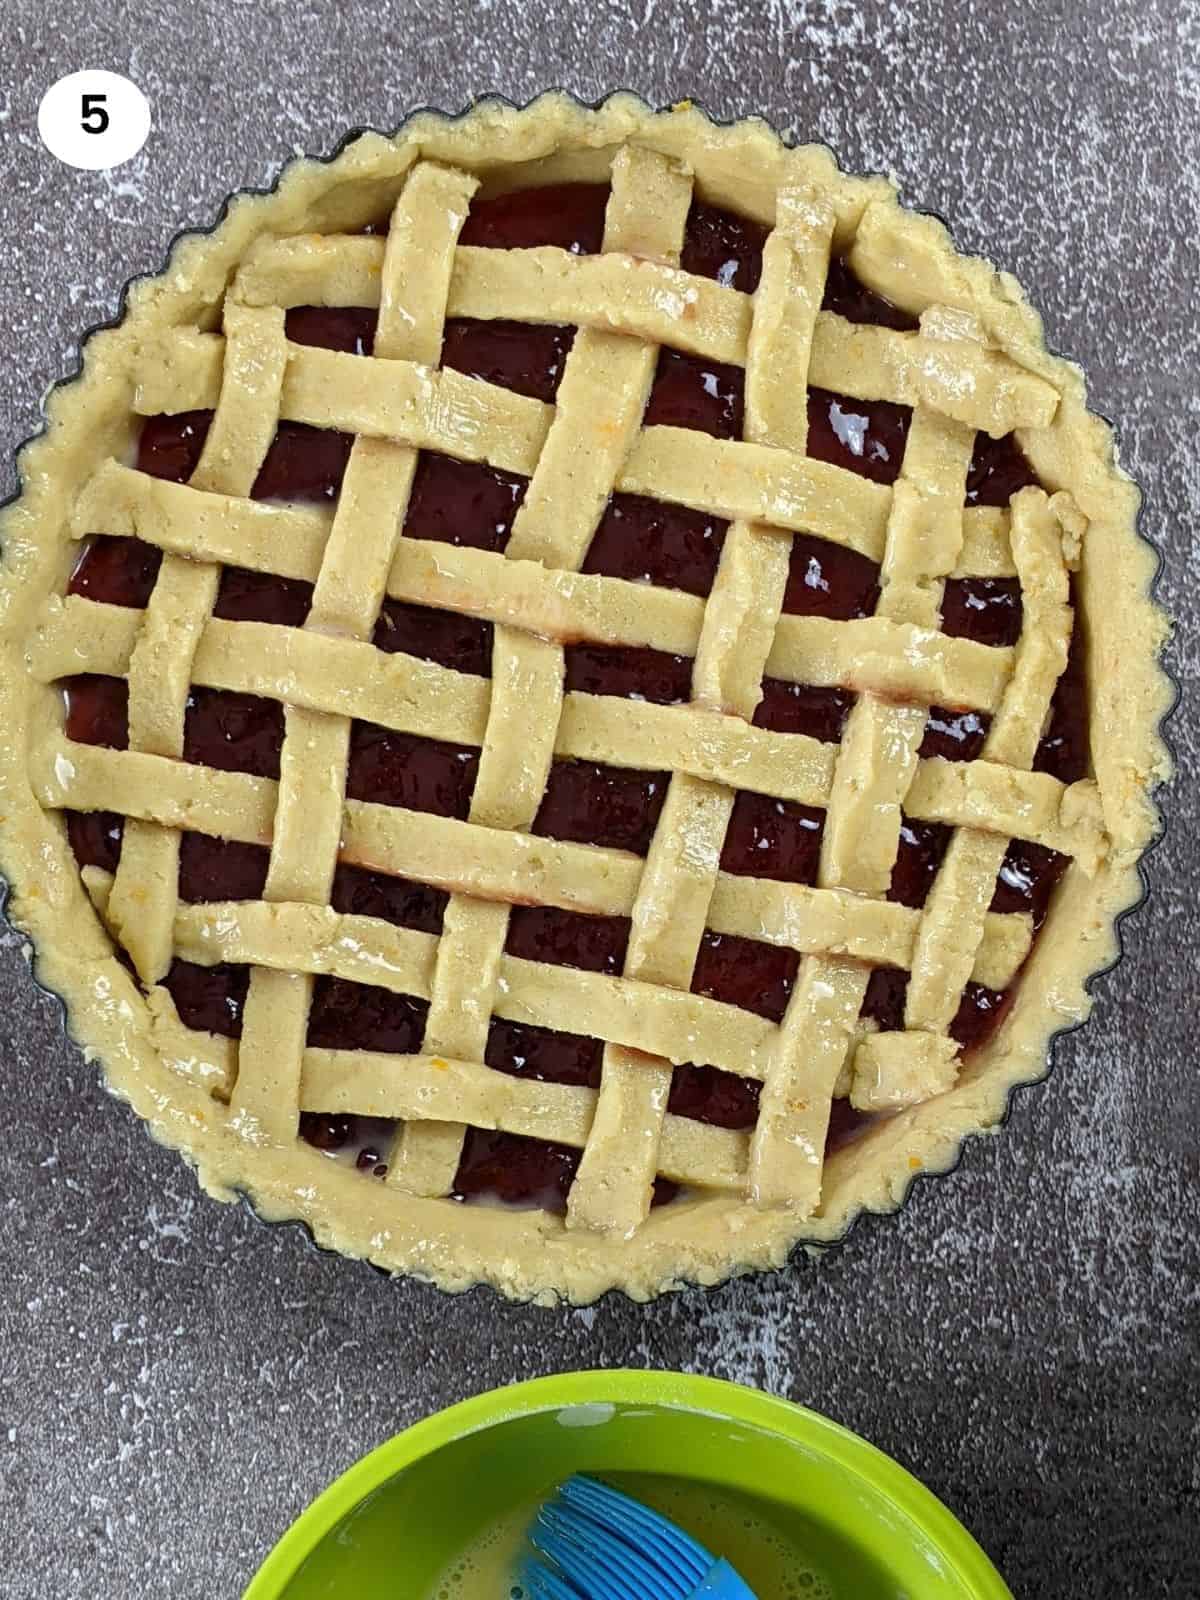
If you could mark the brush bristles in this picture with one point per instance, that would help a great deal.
(609, 1547)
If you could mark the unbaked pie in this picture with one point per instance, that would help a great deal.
(579, 698)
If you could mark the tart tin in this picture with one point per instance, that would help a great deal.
(397, 1518)
(926, 1175)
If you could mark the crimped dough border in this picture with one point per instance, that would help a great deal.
(532, 1255)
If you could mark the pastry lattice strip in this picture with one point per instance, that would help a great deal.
(914, 662)
(347, 597)
(396, 404)
(600, 402)
(463, 855)
(299, 939)
(142, 903)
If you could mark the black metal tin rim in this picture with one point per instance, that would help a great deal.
(920, 1180)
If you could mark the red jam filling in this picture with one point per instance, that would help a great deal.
(1063, 752)
(513, 355)
(359, 1016)
(864, 436)
(568, 938)
(954, 735)
(922, 846)
(569, 216)
(210, 999)
(359, 892)
(998, 471)
(707, 1094)
(631, 673)
(617, 807)
(462, 643)
(350, 329)
(95, 838)
(828, 580)
(721, 245)
(648, 541)
(770, 838)
(799, 708)
(462, 503)
(543, 1054)
(325, 1130)
(258, 597)
(120, 572)
(526, 1173)
(742, 972)
(97, 710)
(978, 1016)
(987, 610)
(233, 732)
(642, 541)
(689, 392)
(402, 769)
(849, 297)
(221, 869)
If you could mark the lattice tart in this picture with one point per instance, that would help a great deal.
(578, 698)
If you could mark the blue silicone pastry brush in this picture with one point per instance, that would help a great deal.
(599, 1544)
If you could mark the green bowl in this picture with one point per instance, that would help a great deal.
(392, 1524)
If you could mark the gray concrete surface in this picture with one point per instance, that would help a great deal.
(175, 1380)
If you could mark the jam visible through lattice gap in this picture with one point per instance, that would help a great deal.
(640, 540)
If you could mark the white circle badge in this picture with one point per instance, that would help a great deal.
(94, 120)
